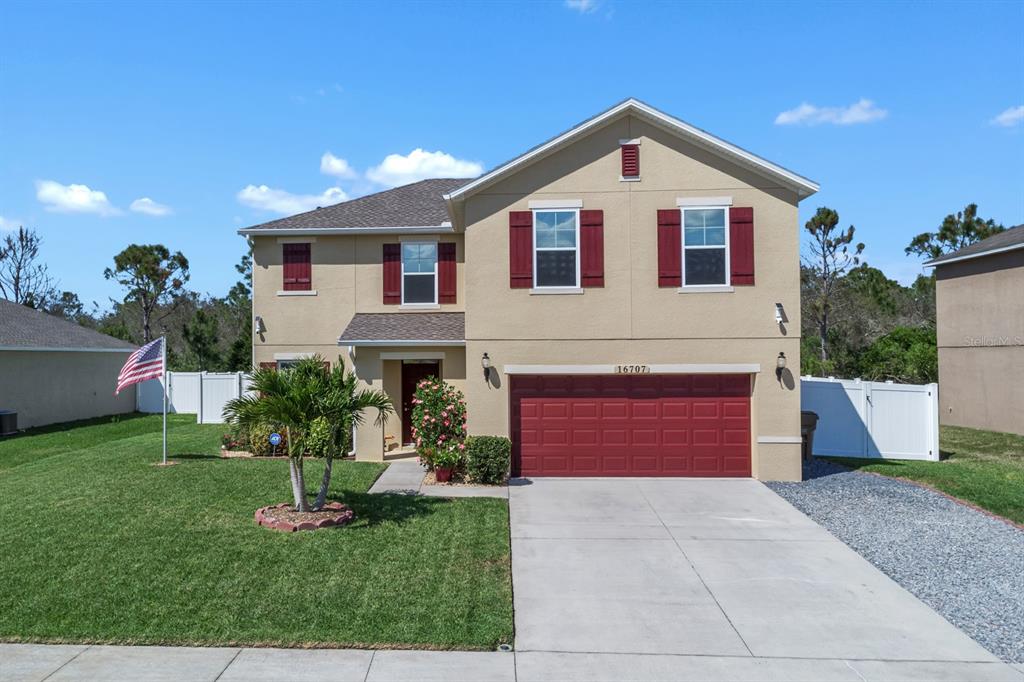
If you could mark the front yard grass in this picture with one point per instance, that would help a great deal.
(981, 467)
(100, 546)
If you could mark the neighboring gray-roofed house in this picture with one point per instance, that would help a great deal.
(52, 370)
(979, 308)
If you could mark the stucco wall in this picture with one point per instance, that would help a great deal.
(57, 386)
(631, 319)
(980, 317)
(347, 278)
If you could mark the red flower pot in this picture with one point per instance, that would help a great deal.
(443, 474)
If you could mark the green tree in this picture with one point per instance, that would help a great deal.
(832, 254)
(956, 231)
(904, 355)
(201, 335)
(153, 277)
(300, 400)
(239, 301)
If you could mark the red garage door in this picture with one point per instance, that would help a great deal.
(631, 425)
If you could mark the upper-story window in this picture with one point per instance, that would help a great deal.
(419, 272)
(298, 269)
(556, 249)
(705, 247)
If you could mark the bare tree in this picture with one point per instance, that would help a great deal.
(831, 257)
(23, 279)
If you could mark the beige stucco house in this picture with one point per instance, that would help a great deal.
(52, 370)
(616, 300)
(979, 308)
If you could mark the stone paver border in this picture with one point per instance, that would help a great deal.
(342, 516)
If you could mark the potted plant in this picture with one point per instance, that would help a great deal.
(445, 461)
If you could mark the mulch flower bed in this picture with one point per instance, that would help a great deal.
(457, 480)
(284, 517)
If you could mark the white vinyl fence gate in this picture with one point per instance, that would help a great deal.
(203, 394)
(873, 419)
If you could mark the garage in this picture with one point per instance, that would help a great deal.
(631, 425)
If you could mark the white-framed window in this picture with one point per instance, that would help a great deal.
(705, 246)
(556, 249)
(419, 273)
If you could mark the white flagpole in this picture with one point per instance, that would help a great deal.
(163, 361)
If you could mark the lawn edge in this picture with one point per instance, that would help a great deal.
(251, 644)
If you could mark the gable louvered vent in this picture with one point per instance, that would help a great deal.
(630, 160)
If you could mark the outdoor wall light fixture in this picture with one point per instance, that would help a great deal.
(780, 366)
(485, 362)
(258, 325)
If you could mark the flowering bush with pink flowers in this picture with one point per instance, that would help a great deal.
(439, 423)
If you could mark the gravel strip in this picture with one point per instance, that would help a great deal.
(963, 563)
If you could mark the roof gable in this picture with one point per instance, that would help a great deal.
(801, 185)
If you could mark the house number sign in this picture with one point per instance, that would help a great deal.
(632, 369)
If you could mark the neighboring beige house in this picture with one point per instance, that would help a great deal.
(979, 300)
(629, 285)
(52, 370)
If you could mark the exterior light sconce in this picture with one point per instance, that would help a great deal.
(780, 314)
(258, 325)
(485, 362)
(780, 366)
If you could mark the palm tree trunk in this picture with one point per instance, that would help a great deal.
(325, 483)
(298, 478)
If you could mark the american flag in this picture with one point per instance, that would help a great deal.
(145, 363)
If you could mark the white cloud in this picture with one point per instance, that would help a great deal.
(73, 199)
(1013, 116)
(397, 170)
(150, 207)
(332, 165)
(582, 6)
(280, 201)
(7, 224)
(861, 111)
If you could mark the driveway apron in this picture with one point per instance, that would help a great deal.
(704, 567)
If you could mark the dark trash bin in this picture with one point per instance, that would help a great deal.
(808, 423)
(8, 422)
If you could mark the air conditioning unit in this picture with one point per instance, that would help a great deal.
(8, 422)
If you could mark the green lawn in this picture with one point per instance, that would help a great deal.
(980, 467)
(97, 545)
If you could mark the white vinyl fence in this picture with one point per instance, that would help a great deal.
(203, 394)
(873, 419)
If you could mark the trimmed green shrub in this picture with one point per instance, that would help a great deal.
(487, 458)
(259, 440)
(320, 438)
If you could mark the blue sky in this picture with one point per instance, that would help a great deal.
(221, 114)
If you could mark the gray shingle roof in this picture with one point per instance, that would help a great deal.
(22, 327)
(416, 205)
(405, 327)
(1010, 238)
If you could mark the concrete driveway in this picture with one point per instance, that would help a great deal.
(676, 578)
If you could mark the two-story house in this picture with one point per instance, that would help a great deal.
(616, 300)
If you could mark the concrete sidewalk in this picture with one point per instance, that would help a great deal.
(405, 477)
(55, 663)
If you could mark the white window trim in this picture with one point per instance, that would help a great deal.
(703, 202)
(297, 292)
(401, 255)
(556, 289)
(554, 204)
(725, 286)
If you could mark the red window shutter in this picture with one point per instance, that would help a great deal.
(268, 365)
(670, 248)
(297, 267)
(592, 248)
(741, 246)
(392, 274)
(520, 249)
(630, 160)
(446, 278)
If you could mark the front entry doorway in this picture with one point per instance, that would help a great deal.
(414, 371)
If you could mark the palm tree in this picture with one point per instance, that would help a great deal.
(293, 399)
